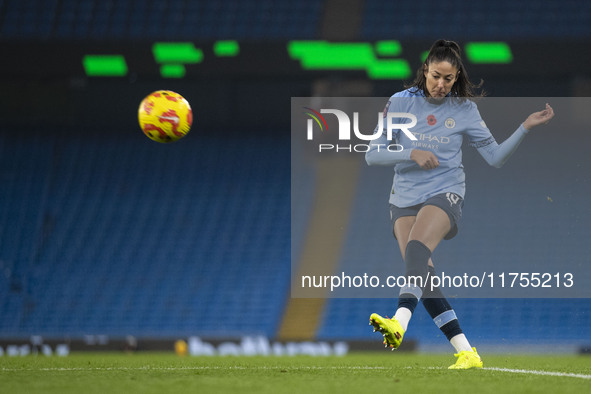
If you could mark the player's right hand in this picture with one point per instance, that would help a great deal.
(425, 159)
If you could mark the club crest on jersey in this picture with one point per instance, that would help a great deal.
(431, 120)
(450, 123)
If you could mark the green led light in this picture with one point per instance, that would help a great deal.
(388, 48)
(226, 48)
(176, 52)
(104, 65)
(172, 70)
(389, 69)
(489, 52)
(325, 55)
(322, 55)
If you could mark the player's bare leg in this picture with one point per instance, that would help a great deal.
(431, 225)
(401, 231)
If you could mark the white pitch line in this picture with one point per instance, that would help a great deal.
(543, 373)
(187, 368)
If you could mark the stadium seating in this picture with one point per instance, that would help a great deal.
(476, 20)
(284, 19)
(159, 20)
(125, 236)
(104, 237)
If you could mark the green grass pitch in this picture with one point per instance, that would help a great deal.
(358, 372)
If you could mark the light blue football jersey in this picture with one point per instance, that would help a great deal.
(441, 127)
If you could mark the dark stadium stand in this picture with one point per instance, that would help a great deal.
(127, 236)
(474, 20)
(161, 20)
(252, 19)
(117, 237)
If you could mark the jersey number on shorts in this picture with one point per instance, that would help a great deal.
(452, 198)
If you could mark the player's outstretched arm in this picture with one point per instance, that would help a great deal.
(497, 154)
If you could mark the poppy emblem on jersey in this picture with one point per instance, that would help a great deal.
(450, 123)
(431, 120)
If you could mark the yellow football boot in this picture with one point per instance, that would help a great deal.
(390, 329)
(467, 359)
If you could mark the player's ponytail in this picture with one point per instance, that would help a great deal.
(449, 51)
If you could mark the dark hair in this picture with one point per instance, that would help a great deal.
(449, 51)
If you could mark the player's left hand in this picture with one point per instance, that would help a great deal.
(538, 118)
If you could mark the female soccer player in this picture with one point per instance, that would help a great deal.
(428, 188)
